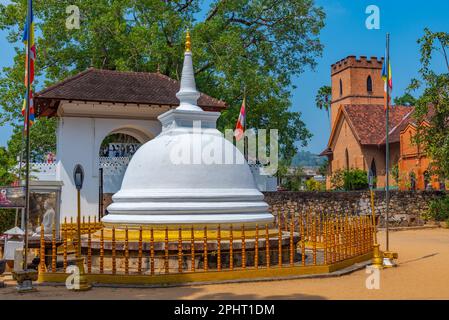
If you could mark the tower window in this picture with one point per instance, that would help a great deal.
(369, 84)
(341, 88)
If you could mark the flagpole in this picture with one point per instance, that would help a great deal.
(27, 138)
(387, 147)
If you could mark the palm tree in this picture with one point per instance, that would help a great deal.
(323, 99)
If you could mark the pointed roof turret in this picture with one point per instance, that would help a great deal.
(188, 95)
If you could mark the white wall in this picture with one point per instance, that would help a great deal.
(78, 141)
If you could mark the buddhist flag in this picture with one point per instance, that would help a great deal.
(32, 51)
(31, 109)
(384, 76)
(239, 128)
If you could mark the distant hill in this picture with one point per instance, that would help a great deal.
(307, 159)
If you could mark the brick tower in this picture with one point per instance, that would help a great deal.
(356, 81)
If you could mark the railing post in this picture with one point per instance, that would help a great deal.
(325, 240)
(64, 229)
(126, 251)
(192, 249)
(338, 236)
(303, 241)
(267, 247)
(114, 266)
(53, 247)
(89, 249)
(101, 251)
(205, 262)
(152, 251)
(180, 250)
(256, 248)
(219, 248)
(280, 246)
(166, 257)
(140, 252)
(42, 266)
(231, 249)
(292, 244)
(314, 239)
(243, 248)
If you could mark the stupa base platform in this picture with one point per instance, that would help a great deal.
(178, 257)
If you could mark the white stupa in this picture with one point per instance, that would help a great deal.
(168, 183)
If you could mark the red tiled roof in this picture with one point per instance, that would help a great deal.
(395, 131)
(368, 121)
(121, 87)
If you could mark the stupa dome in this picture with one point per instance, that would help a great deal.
(189, 174)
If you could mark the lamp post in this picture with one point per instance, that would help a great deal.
(78, 178)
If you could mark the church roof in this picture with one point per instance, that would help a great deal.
(95, 85)
(368, 122)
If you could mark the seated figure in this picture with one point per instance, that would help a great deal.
(48, 219)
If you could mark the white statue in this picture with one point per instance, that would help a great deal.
(48, 219)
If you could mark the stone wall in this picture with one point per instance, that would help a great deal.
(407, 208)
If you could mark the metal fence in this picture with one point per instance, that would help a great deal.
(303, 243)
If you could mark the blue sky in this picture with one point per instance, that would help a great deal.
(345, 34)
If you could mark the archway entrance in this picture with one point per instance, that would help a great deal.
(115, 153)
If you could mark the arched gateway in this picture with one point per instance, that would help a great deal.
(97, 104)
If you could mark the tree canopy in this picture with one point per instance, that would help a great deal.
(433, 105)
(257, 44)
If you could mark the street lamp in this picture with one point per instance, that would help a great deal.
(78, 178)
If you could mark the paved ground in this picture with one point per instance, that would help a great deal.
(422, 274)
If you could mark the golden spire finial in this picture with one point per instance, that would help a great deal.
(188, 43)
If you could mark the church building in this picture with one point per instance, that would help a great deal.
(358, 134)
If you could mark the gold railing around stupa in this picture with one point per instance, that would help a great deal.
(303, 243)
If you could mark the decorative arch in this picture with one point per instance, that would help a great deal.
(373, 172)
(369, 84)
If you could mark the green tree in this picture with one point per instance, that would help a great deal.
(6, 162)
(349, 180)
(323, 99)
(433, 105)
(259, 44)
(294, 179)
(6, 178)
(313, 185)
(355, 179)
(405, 100)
